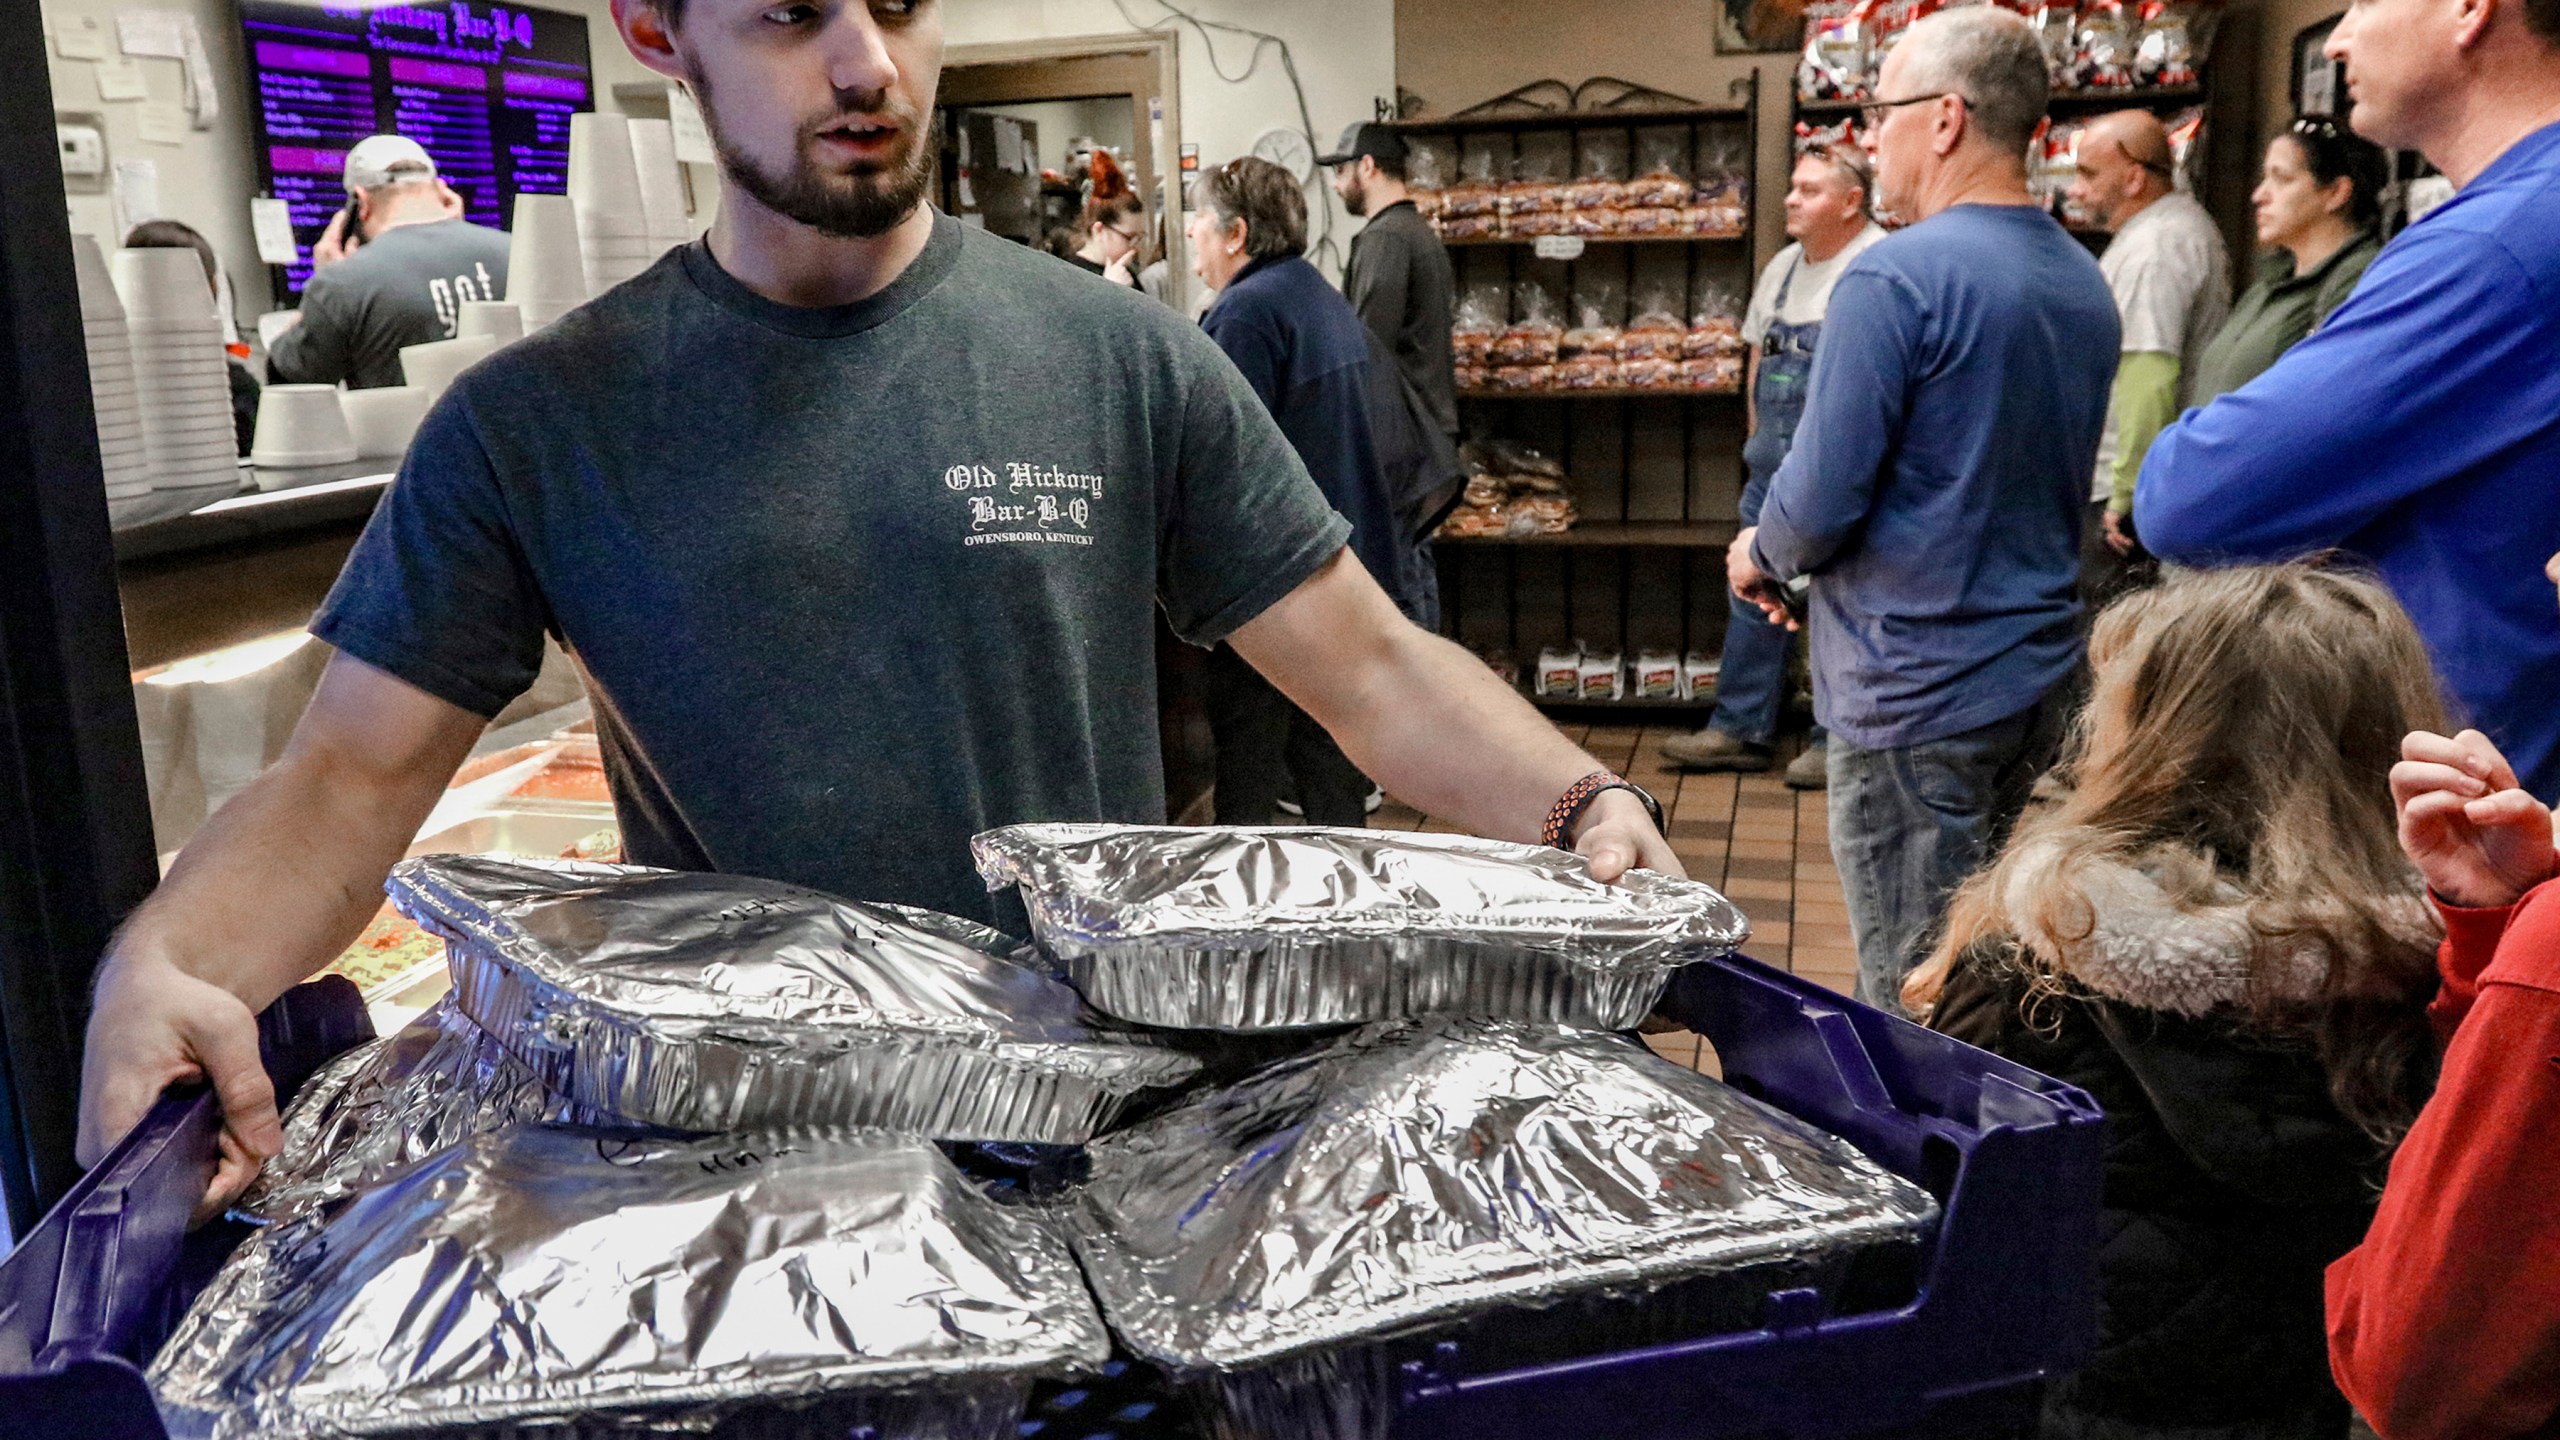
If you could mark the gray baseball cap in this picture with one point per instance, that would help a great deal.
(1368, 138)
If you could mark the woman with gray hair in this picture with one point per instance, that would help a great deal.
(1306, 354)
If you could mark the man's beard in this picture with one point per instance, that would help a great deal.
(1356, 200)
(870, 202)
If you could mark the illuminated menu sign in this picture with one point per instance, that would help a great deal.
(488, 89)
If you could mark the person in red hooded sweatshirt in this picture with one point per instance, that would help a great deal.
(2445, 1322)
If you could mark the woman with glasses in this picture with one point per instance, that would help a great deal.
(1114, 224)
(2319, 206)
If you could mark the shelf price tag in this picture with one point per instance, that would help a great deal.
(1559, 247)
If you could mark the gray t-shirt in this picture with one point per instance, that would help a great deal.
(2171, 276)
(1808, 284)
(405, 287)
(847, 585)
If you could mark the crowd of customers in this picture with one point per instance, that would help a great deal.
(2186, 672)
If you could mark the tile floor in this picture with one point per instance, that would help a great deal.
(1765, 846)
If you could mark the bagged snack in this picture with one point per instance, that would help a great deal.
(1662, 167)
(1715, 322)
(719, 1002)
(1484, 307)
(2186, 145)
(1698, 675)
(1604, 675)
(1560, 671)
(1540, 170)
(538, 1276)
(1431, 166)
(1588, 356)
(2175, 37)
(2057, 25)
(2051, 167)
(1720, 204)
(1534, 1195)
(1657, 675)
(1484, 165)
(1600, 170)
(2104, 43)
(1249, 928)
(1834, 62)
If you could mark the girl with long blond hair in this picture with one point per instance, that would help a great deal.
(2211, 928)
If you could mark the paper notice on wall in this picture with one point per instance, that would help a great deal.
(120, 78)
(693, 138)
(137, 191)
(161, 122)
(271, 221)
(1008, 145)
(174, 35)
(80, 37)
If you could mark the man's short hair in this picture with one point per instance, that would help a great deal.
(1991, 56)
(1852, 166)
(1266, 198)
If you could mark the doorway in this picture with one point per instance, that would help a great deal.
(1018, 117)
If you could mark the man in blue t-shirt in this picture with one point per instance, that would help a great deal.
(1934, 494)
(2418, 428)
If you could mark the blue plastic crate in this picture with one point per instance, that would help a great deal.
(2005, 1299)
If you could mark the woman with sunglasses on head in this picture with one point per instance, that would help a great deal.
(2319, 208)
(1114, 224)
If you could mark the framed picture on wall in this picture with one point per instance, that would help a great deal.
(1759, 27)
(2319, 83)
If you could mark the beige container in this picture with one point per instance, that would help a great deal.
(384, 420)
(432, 367)
(499, 320)
(301, 425)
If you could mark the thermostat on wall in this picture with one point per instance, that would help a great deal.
(82, 141)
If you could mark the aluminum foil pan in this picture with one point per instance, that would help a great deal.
(544, 1275)
(387, 1105)
(1266, 929)
(719, 1002)
(1413, 1176)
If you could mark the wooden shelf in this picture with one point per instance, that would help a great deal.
(1528, 119)
(1734, 239)
(1664, 534)
(2079, 100)
(1655, 393)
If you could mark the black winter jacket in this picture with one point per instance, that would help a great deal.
(2231, 1183)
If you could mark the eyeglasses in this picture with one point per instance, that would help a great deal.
(1132, 236)
(1873, 111)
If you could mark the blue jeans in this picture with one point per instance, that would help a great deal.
(1751, 685)
(1908, 824)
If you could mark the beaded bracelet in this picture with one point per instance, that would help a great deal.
(1578, 797)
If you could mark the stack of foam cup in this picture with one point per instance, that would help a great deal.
(180, 373)
(112, 397)
(653, 153)
(546, 274)
(499, 320)
(301, 425)
(604, 184)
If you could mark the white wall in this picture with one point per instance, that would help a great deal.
(1345, 52)
(208, 180)
(1060, 121)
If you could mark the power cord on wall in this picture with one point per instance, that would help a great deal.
(1322, 250)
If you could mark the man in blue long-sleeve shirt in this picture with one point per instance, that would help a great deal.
(1935, 491)
(2418, 428)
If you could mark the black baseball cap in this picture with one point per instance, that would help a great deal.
(1368, 138)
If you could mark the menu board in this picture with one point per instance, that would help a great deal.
(488, 89)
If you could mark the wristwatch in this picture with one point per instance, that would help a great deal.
(1567, 812)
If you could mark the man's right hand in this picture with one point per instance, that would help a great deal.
(2479, 839)
(153, 1026)
(334, 243)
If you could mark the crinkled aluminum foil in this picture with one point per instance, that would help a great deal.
(719, 1002)
(1262, 929)
(386, 1105)
(1410, 1176)
(539, 1274)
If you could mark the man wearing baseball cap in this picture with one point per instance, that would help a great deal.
(393, 269)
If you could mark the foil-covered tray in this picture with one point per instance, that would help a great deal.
(720, 1002)
(540, 1275)
(1544, 1192)
(1291, 928)
(391, 1103)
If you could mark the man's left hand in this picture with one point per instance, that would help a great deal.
(1752, 583)
(1617, 835)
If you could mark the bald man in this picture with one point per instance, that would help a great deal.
(2171, 278)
